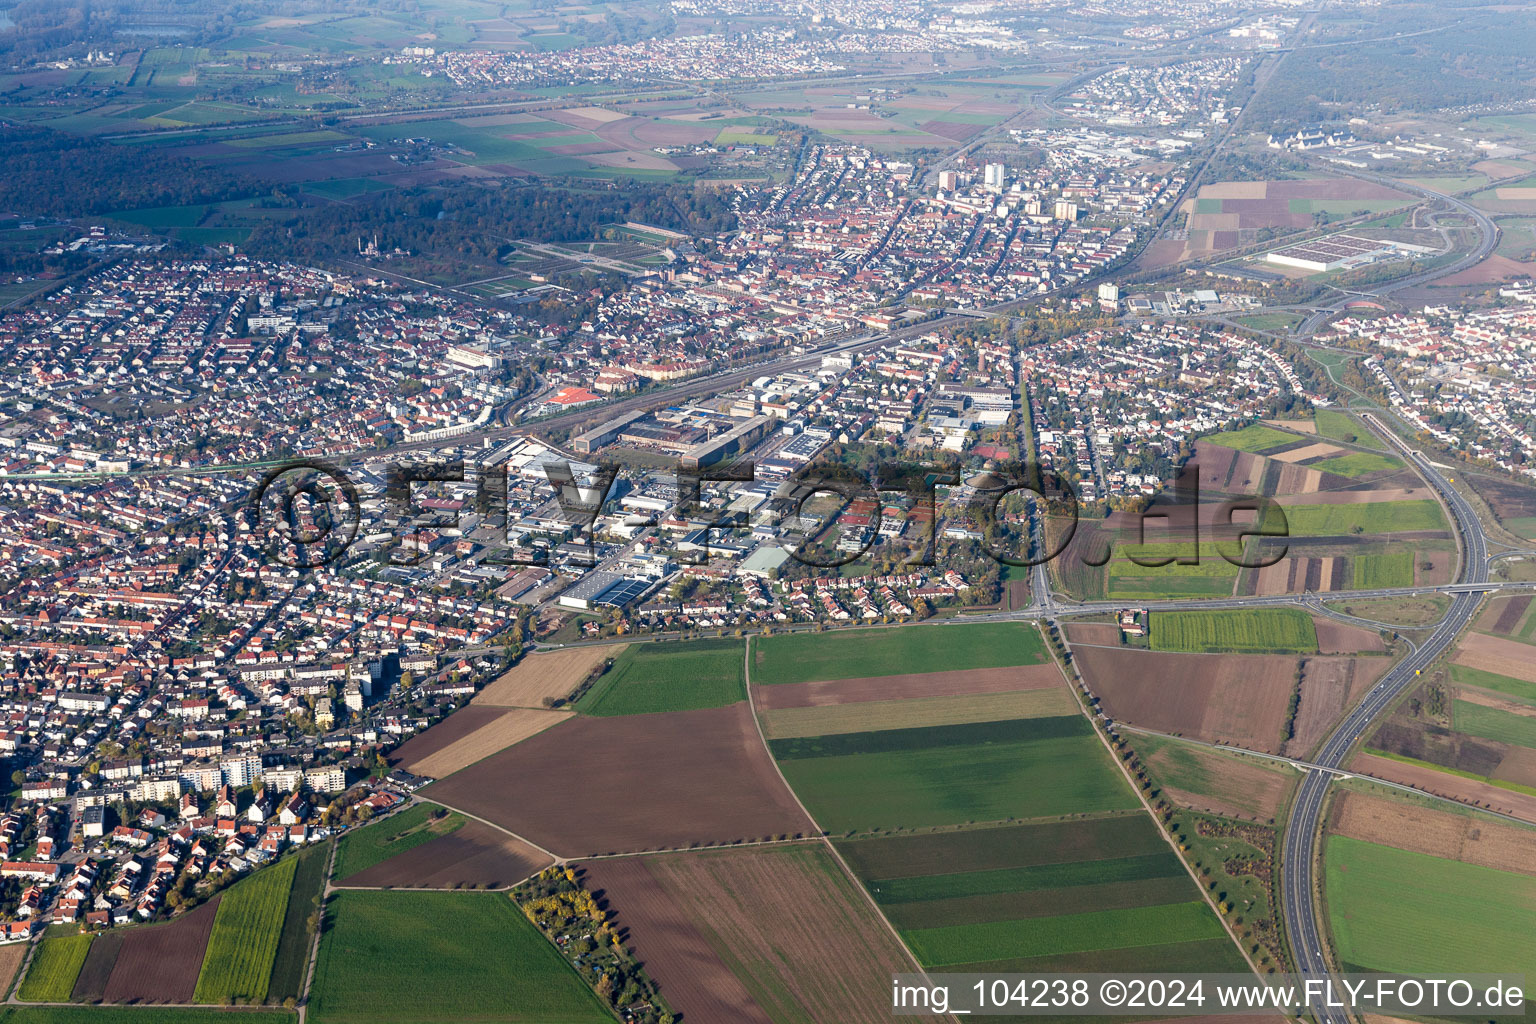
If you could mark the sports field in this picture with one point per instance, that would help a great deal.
(648, 678)
(442, 958)
(1411, 913)
(854, 654)
(949, 775)
(1243, 630)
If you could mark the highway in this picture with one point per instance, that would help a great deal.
(1298, 881)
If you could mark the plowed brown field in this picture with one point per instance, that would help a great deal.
(632, 783)
(1479, 794)
(160, 963)
(785, 922)
(1239, 699)
(474, 854)
(1460, 837)
(924, 684)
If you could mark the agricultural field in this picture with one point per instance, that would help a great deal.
(1340, 426)
(291, 961)
(417, 825)
(922, 777)
(422, 958)
(1244, 630)
(1242, 699)
(1254, 438)
(1107, 892)
(1382, 901)
(246, 930)
(1228, 214)
(648, 678)
(1357, 464)
(851, 654)
(775, 934)
(1375, 517)
(541, 677)
(161, 962)
(472, 856)
(646, 782)
(1383, 570)
(834, 719)
(1215, 781)
(136, 1015)
(54, 968)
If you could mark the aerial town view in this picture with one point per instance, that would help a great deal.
(767, 511)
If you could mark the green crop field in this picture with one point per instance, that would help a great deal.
(1493, 681)
(442, 958)
(1494, 724)
(953, 784)
(969, 734)
(1248, 630)
(243, 944)
(670, 677)
(137, 1015)
(362, 848)
(1383, 570)
(1119, 928)
(292, 958)
(1339, 426)
(1029, 879)
(1253, 438)
(1357, 464)
(1410, 913)
(55, 966)
(853, 654)
(738, 137)
(1074, 894)
(1376, 517)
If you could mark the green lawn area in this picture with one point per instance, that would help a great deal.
(670, 677)
(1383, 570)
(737, 137)
(55, 966)
(1244, 630)
(1375, 517)
(1383, 903)
(1494, 724)
(1357, 464)
(442, 958)
(363, 848)
(1255, 437)
(989, 780)
(1339, 426)
(854, 654)
(243, 944)
(1493, 681)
